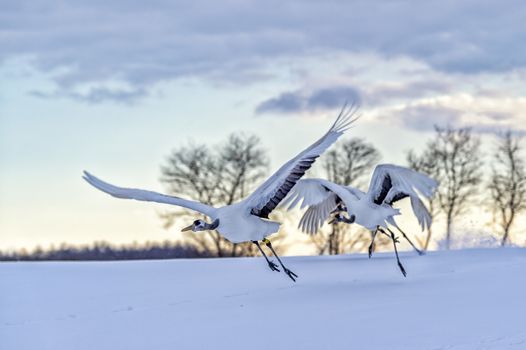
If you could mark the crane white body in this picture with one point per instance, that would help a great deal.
(237, 224)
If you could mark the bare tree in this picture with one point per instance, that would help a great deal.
(243, 164)
(219, 176)
(456, 154)
(426, 164)
(349, 163)
(508, 182)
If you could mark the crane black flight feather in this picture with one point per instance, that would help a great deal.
(386, 186)
(285, 188)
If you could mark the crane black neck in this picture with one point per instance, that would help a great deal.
(213, 225)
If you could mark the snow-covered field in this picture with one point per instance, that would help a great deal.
(465, 299)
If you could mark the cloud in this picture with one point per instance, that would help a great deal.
(375, 94)
(387, 92)
(143, 43)
(482, 114)
(426, 117)
(298, 101)
(96, 95)
(287, 102)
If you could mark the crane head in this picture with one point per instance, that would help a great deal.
(341, 218)
(201, 225)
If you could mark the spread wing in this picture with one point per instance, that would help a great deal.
(321, 196)
(391, 183)
(148, 196)
(316, 215)
(267, 197)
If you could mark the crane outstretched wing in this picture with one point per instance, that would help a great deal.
(267, 197)
(391, 183)
(321, 196)
(148, 196)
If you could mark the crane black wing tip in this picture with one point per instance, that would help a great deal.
(94, 181)
(89, 178)
(346, 117)
(86, 175)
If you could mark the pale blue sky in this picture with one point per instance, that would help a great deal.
(112, 88)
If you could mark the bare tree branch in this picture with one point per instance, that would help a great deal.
(456, 154)
(508, 182)
(219, 176)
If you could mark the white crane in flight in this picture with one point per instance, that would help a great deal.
(372, 210)
(246, 220)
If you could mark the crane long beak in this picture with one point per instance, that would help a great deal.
(188, 228)
(332, 221)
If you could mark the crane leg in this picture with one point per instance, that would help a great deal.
(371, 246)
(271, 264)
(289, 273)
(395, 240)
(407, 238)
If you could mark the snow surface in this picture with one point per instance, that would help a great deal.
(465, 299)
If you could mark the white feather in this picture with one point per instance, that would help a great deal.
(148, 196)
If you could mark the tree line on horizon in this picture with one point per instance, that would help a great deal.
(102, 251)
(227, 172)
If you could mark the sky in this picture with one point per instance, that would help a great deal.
(112, 87)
